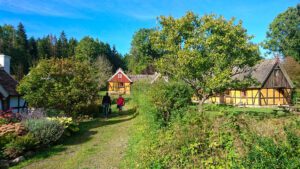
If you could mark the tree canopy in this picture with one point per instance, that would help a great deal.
(284, 33)
(26, 52)
(142, 54)
(204, 52)
(61, 84)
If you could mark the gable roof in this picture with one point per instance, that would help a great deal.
(8, 84)
(112, 78)
(261, 71)
(145, 77)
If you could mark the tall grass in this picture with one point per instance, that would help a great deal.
(225, 137)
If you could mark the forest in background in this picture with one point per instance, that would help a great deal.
(26, 51)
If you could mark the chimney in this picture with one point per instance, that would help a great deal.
(5, 62)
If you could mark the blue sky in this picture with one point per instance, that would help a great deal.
(115, 21)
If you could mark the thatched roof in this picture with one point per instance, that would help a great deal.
(261, 71)
(7, 83)
(140, 77)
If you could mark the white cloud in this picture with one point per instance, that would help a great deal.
(41, 7)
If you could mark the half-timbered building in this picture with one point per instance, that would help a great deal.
(273, 87)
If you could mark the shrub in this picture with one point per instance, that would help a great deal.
(167, 97)
(70, 126)
(92, 110)
(19, 144)
(5, 139)
(45, 131)
(60, 84)
(33, 114)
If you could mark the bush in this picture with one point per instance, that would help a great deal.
(60, 84)
(70, 126)
(19, 144)
(5, 139)
(167, 97)
(45, 131)
(92, 110)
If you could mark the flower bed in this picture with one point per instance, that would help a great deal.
(20, 133)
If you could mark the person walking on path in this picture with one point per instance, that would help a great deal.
(120, 103)
(106, 103)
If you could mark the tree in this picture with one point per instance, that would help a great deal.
(142, 54)
(104, 70)
(71, 47)
(87, 49)
(20, 55)
(284, 33)
(33, 51)
(60, 84)
(44, 48)
(62, 46)
(293, 69)
(204, 52)
(7, 39)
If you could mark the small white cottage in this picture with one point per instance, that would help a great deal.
(9, 97)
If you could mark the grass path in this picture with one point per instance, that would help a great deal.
(99, 144)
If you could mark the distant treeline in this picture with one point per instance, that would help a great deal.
(26, 52)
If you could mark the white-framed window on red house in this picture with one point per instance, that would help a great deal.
(119, 75)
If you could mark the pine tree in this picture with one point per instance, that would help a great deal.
(62, 46)
(20, 56)
(33, 51)
(71, 47)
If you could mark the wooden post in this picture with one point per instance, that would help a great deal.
(259, 97)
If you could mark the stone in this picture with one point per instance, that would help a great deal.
(17, 160)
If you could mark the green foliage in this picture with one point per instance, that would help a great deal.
(187, 142)
(45, 131)
(68, 123)
(267, 154)
(200, 51)
(26, 52)
(284, 33)
(87, 49)
(168, 97)
(235, 138)
(20, 144)
(5, 139)
(142, 54)
(61, 84)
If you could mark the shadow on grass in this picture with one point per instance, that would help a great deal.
(86, 128)
(84, 135)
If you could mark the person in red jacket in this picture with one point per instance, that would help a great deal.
(120, 103)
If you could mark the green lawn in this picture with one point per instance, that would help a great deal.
(99, 144)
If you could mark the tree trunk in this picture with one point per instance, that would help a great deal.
(200, 105)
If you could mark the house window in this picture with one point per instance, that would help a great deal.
(5, 104)
(121, 85)
(119, 75)
(227, 93)
(243, 93)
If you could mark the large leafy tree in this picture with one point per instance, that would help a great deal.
(62, 84)
(204, 52)
(142, 54)
(87, 49)
(284, 33)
